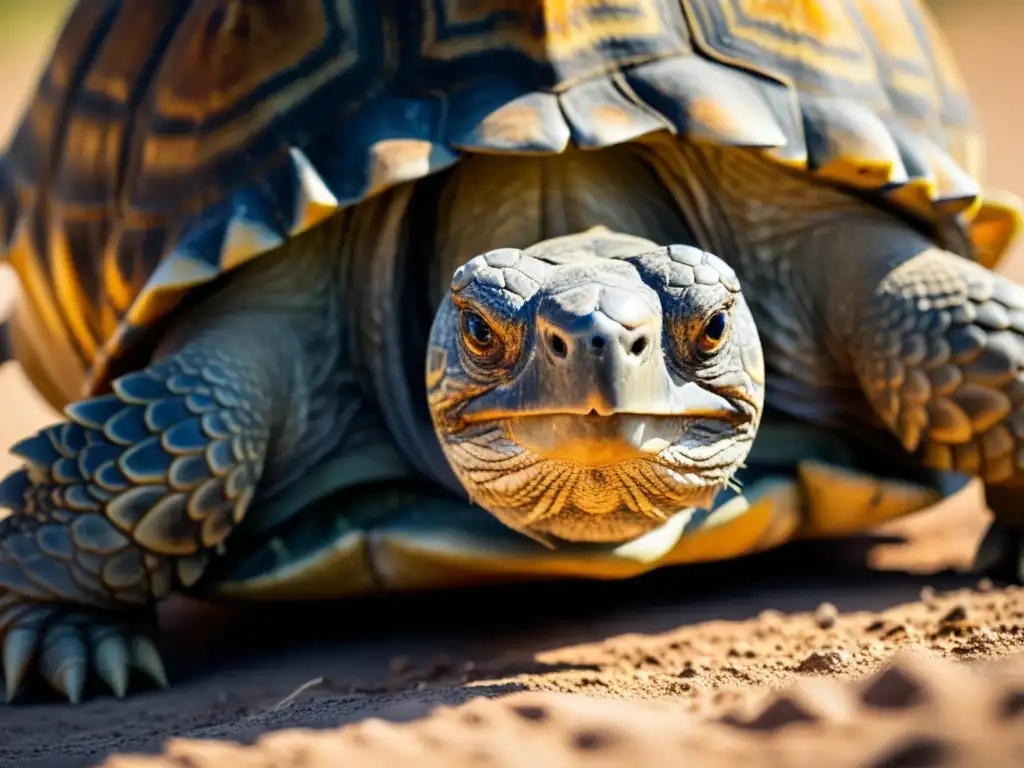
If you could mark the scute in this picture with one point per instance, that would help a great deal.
(170, 142)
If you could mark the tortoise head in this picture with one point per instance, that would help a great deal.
(593, 385)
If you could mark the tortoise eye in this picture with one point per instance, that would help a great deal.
(478, 335)
(713, 334)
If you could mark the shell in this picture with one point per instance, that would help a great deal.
(170, 142)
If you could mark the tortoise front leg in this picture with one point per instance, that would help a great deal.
(123, 503)
(937, 342)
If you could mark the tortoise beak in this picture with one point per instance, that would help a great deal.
(591, 398)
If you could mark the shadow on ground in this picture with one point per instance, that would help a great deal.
(239, 671)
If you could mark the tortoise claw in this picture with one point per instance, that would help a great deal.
(63, 661)
(112, 660)
(19, 652)
(63, 644)
(68, 678)
(146, 658)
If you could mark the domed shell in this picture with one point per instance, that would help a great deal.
(170, 142)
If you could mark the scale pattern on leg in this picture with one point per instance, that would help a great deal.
(939, 350)
(122, 504)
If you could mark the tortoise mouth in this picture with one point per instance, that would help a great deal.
(593, 478)
(593, 440)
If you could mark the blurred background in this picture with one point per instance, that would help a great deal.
(987, 37)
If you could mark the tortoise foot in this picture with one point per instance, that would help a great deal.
(65, 645)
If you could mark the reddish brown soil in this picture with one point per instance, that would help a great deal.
(916, 711)
(917, 664)
(679, 649)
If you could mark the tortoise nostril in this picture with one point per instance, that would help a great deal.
(638, 346)
(597, 342)
(558, 345)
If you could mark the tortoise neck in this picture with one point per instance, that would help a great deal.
(389, 255)
(515, 201)
(809, 257)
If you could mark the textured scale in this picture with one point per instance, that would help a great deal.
(161, 462)
(170, 142)
(119, 506)
(946, 368)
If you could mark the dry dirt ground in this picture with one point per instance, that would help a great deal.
(882, 651)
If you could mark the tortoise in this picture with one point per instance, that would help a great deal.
(342, 297)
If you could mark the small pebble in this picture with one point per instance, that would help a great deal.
(956, 614)
(894, 632)
(928, 596)
(826, 660)
(825, 615)
(985, 585)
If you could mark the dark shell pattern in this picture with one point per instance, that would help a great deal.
(172, 141)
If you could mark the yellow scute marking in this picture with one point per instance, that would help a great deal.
(605, 113)
(513, 124)
(231, 48)
(823, 20)
(119, 290)
(206, 81)
(895, 35)
(891, 28)
(568, 26)
(23, 258)
(712, 114)
(782, 28)
(397, 160)
(77, 308)
(244, 240)
(314, 201)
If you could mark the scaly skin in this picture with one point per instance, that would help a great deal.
(867, 323)
(619, 383)
(138, 491)
(123, 503)
(938, 346)
(128, 499)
